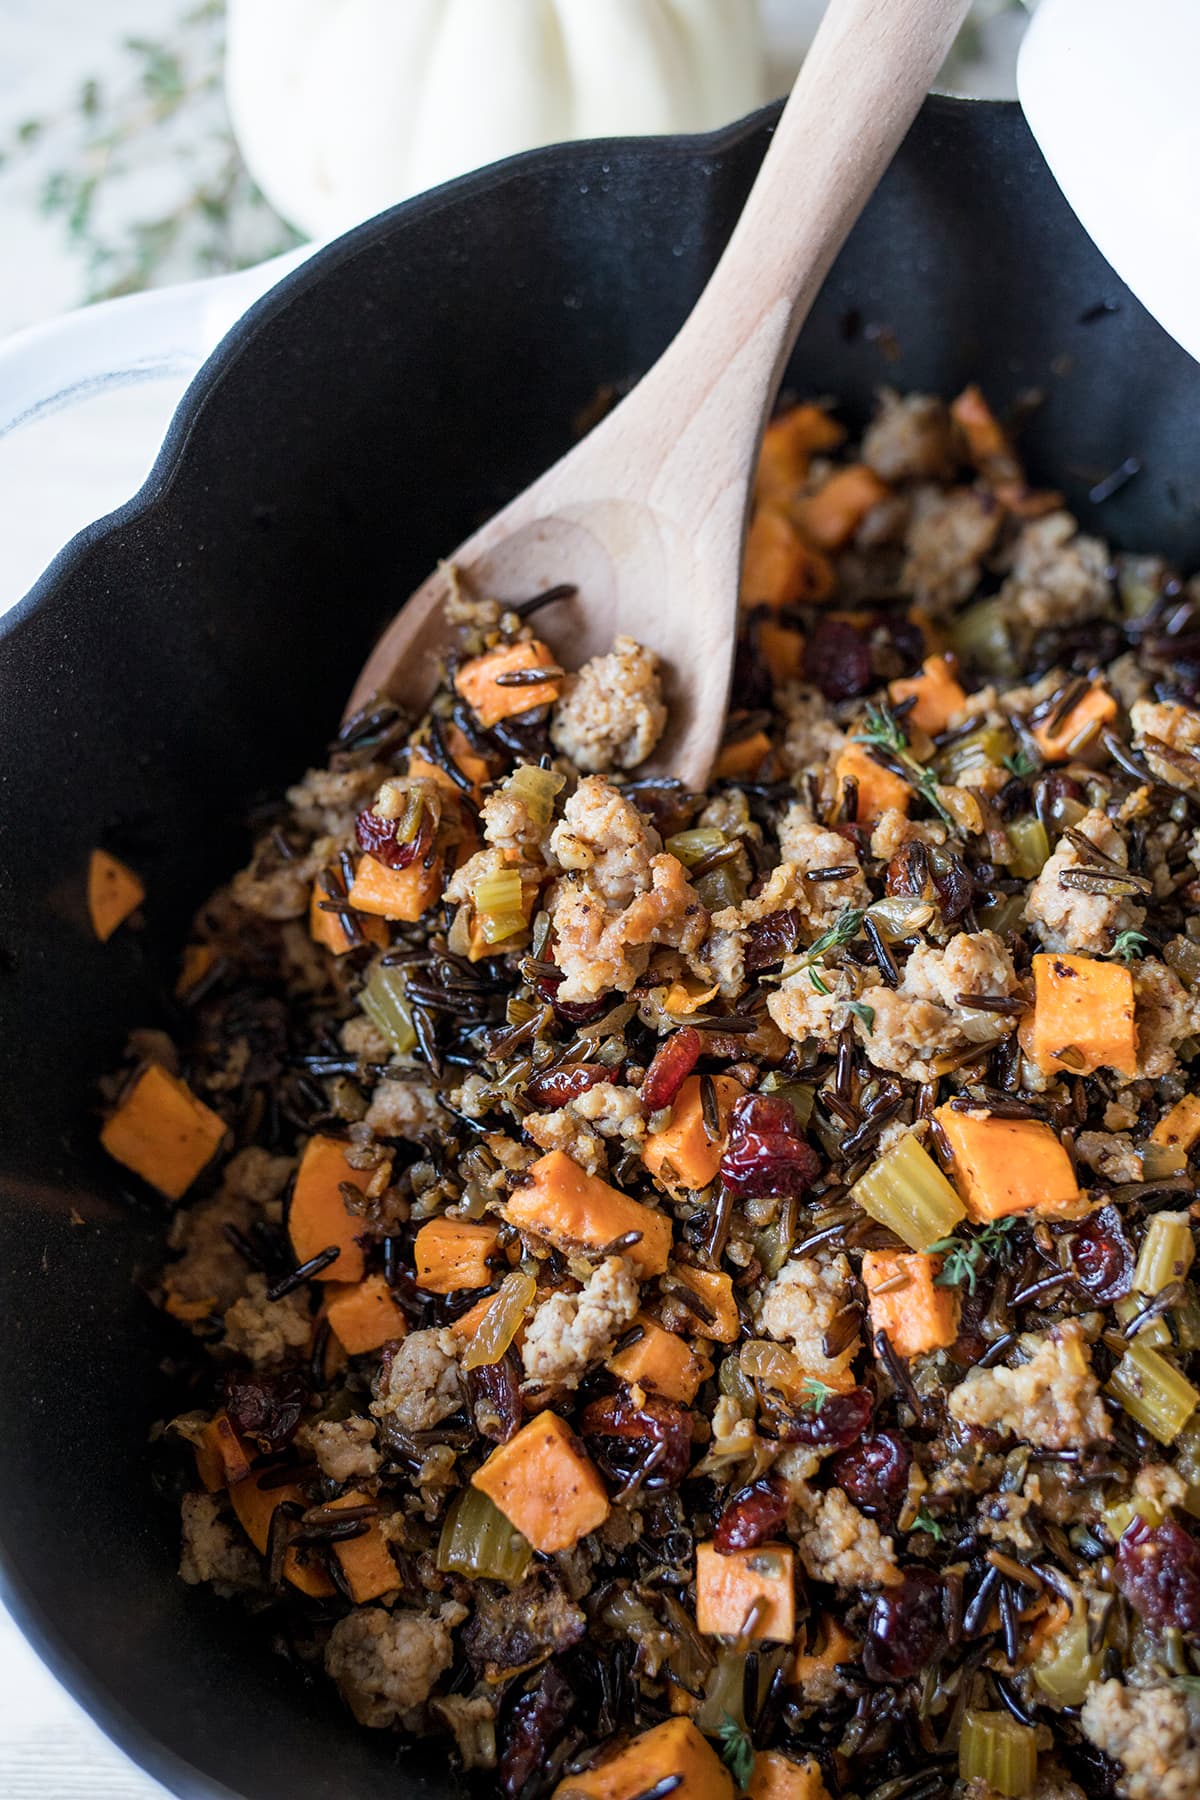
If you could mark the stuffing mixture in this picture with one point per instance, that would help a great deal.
(690, 1292)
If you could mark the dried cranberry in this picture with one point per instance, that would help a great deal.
(667, 804)
(494, 1392)
(378, 838)
(557, 1086)
(266, 1409)
(624, 1439)
(905, 1630)
(874, 1473)
(670, 1067)
(837, 1421)
(546, 984)
(769, 940)
(533, 1729)
(1102, 1258)
(1158, 1571)
(837, 660)
(766, 1155)
(752, 1516)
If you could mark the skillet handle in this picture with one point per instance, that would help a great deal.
(144, 337)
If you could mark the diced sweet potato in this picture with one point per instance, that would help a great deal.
(221, 1457)
(362, 1314)
(729, 1589)
(1004, 1166)
(492, 701)
(777, 1777)
(878, 788)
(782, 650)
(681, 1155)
(1181, 1126)
(196, 961)
(780, 568)
(255, 1506)
(834, 1646)
(113, 892)
(715, 1289)
(1083, 1017)
(473, 766)
(938, 695)
(670, 1751)
(319, 1216)
(365, 1562)
(1079, 728)
(560, 1202)
(399, 894)
(326, 928)
(742, 757)
(987, 441)
(661, 1362)
(162, 1132)
(917, 1316)
(452, 1254)
(830, 517)
(545, 1484)
(790, 441)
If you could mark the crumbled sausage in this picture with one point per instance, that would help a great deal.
(800, 1306)
(509, 826)
(1168, 735)
(570, 1332)
(361, 1037)
(910, 438)
(808, 847)
(1070, 918)
(1164, 1014)
(611, 714)
(267, 1331)
(1152, 1732)
(513, 1627)
(405, 1109)
(812, 737)
(605, 839)
(326, 801)
(840, 1545)
(1051, 1401)
(1110, 1154)
(950, 533)
(344, 1448)
(564, 1130)
(1059, 577)
(388, 1663)
(893, 829)
(214, 1548)
(421, 1384)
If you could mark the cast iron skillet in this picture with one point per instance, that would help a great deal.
(191, 653)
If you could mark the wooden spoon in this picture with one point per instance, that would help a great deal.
(646, 515)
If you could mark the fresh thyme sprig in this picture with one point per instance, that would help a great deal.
(844, 929)
(882, 730)
(1129, 945)
(737, 1751)
(965, 1257)
(814, 1394)
(925, 1521)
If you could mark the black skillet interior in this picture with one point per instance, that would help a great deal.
(192, 653)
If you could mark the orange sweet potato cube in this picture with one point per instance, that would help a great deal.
(789, 442)
(742, 757)
(452, 1254)
(662, 1362)
(318, 1215)
(778, 1777)
(715, 1289)
(780, 569)
(255, 1507)
(1181, 1125)
(782, 650)
(221, 1457)
(936, 694)
(162, 1132)
(472, 765)
(878, 788)
(729, 1589)
(194, 964)
(362, 1314)
(399, 894)
(1079, 728)
(674, 1750)
(545, 1484)
(1083, 1016)
(830, 517)
(833, 1646)
(560, 1202)
(365, 1562)
(113, 892)
(906, 1303)
(326, 928)
(492, 701)
(682, 1155)
(1004, 1166)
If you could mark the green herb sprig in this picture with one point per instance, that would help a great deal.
(965, 1257)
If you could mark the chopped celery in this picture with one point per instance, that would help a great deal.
(724, 1694)
(1187, 1463)
(1119, 1515)
(1160, 1160)
(385, 1003)
(987, 744)
(906, 1191)
(499, 904)
(1168, 1249)
(982, 639)
(1182, 956)
(994, 1749)
(1064, 1666)
(1030, 847)
(1185, 1320)
(798, 1094)
(502, 1320)
(1155, 1332)
(538, 788)
(693, 846)
(1153, 1392)
(721, 887)
(478, 1541)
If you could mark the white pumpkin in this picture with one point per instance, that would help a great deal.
(342, 107)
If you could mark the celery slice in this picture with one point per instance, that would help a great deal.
(906, 1191)
(1064, 1666)
(994, 1748)
(1153, 1392)
(1167, 1252)
(691, 847)
(499, 904)
(1030, 846)
(385, 1003)
(1155, 1332)
(478, 1541)
(538, 788)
